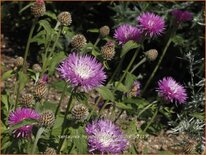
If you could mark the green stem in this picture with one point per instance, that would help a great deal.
(51, 52)
(119, 115)
(137, 65)
(157, 66)
(97, 41)
(64, 121)
(38, 135)
(143, 110)
(28, 44)
(129, 66)
(60, 101)
(151, 120)
(116, 70)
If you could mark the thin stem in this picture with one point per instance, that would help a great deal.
(64, 121)
(143, 110)
(28, 44)
(61, 99)
(157, 66)
(137, 65)
(129, 66)
(51, 52)
(119, 115)
(116, 70)
(151, 120)
(38, 135)
(97, 41)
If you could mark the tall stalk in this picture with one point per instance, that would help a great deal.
(38, 135)
(60, 101)
(64, 121)
(157, 66)
(28, 44)
(45, 63)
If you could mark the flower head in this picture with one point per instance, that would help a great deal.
(19, 115)
(182, 16)
(135, 89)
(151, 24)
(127, 32)
(106, 137)
(83, 71)
(108, 50)
(38, 9)
(64, 18)
(171, 91)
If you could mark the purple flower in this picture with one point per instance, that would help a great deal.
(106, 137)
(151, 24)
(83, 71)
(182, 16)
(171, 91)
(127, 32)
(19, 115)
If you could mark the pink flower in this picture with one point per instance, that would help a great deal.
(127, 32)
(171, 91)
(182, 16)
(18, 116)
(151, 24)
(105, 137)
(83, 71)
(40, 1)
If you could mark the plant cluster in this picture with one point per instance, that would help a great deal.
(109, 109)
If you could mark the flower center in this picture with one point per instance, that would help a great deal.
(173, 87)
(83, 71)
(105, 139)
(150, 23)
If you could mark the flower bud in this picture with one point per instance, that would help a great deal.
(78, 41)
(27, 99)
(19, 61)
(38, 9)
(104, 31)
(65, 18)
(47, 119)
(50, 150)
(151, 55)
(80, 112)
(108, 50)
(36, 68)
(40, 90)
(135, 89)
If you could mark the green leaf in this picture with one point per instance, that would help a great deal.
(140, 102)
(95, 30)
(26, 7)
(49, 106)
(7, 75)
(51, 15)
(23, 79)
(81, 141)
(165, 152)
(4, 100)
(46, 25)
(57, 57)
(40, 37)
(178, 40)
(22, 123)
(198, 115)
(129, 80)
(122, 105)
(119, 86)
(128, 46)
(106, 93)
(6, 145)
